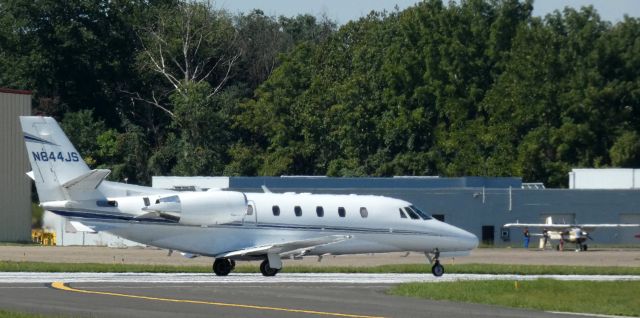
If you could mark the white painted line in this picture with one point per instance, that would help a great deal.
(586, 314)
(37, 277)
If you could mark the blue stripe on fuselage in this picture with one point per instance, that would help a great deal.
(121, 217)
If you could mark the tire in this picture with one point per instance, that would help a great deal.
(584, 247)
(266, 270)
(437, 269)
(222, 266)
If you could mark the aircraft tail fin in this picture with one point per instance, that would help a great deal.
(58, 170)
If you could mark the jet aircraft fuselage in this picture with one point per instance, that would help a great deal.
(230, 225)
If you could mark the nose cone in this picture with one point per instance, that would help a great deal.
(470, 241)
(464, 241)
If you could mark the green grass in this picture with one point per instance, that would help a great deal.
(11, 266)
(473, 269)
(15, 314)
(610, 298)
(25, 244)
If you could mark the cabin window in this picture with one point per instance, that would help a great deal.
(412, 214)
(402, 215)
(107, 204)
(249, 209)
(276, 210)
(341, 212)
(363, 212)
(320, 211)
(423, 215)
(298, 210)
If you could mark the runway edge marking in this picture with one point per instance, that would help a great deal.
(62, 286)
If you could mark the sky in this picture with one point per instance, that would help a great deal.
(343, 11)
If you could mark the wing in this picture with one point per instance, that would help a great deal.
(540, 225)
(592, 227)
(287, 248)
(560, 227)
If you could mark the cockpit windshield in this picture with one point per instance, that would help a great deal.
(422, 214)
(412, 213)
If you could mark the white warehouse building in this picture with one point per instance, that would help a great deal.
(610, 178)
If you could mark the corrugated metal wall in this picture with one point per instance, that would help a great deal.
(15, 190)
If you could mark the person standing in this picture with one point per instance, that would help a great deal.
(545, 234)
(526, 237)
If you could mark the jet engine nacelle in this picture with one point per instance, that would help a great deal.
(206, 208)
(201, 208)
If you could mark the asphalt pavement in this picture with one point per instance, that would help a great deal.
(240, 295)
(236, 300)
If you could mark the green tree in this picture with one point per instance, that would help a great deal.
(625, 152)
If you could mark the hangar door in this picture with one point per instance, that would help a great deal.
(627, 235)
(559, 218)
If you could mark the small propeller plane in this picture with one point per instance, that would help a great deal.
(571, 233)
(230, 226)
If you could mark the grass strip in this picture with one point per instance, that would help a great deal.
(11, 266)
(472, 269)
(15, 314)
(608, 298)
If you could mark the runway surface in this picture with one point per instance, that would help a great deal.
(282, 278)
(242, 295)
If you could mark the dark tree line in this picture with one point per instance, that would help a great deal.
(469, 88)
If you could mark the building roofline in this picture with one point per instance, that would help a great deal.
(14, 91)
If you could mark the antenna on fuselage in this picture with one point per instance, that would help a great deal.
(265, 189)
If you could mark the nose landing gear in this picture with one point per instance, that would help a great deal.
(437, 269)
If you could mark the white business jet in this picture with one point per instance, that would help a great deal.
(230, 225)
(571, 233)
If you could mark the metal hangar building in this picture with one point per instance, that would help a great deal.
(15, 211)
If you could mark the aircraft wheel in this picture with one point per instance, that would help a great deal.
(233, 264)
(584, 247)
(266, 270)
(437, 269)
(222, 266)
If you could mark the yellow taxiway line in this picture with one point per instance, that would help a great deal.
(62, 286)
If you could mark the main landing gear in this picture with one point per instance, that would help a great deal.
(223, 266)
(437, 269)
(266, 270)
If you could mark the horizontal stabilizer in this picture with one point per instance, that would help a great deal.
(88, 181)
(288, 247)
(79, 227)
